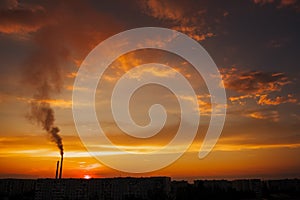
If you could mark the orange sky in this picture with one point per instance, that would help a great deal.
(48, 41)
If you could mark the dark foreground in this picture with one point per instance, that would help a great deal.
(158, 188)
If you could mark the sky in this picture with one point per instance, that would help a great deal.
(254, 43)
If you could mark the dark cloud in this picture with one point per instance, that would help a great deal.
(279, 3)
(8, 4)
(16, 18)
(253, 82)
(262, 2)
(258, 88)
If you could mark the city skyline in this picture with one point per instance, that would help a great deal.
(254, 43)
(147, 188)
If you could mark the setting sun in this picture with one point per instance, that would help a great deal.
(87, 177)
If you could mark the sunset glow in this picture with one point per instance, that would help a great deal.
(254, 43)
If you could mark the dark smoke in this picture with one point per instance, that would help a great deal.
(42, 113)
(43, 73)
(56, 44)
(57, 139)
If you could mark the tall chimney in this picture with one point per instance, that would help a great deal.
(61, 164)
(56, 173)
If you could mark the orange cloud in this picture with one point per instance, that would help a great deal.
(269, 115)
(239, 143)
(240, 99)
(152, 70)
(61, 103)
(71, 75)
(204, 104)
(180, 15)
(192, 32)
(165, 10)
(122, 65)
(264, 100)
(126, 62)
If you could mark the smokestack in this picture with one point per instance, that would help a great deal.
(61, 164)
(56, 173)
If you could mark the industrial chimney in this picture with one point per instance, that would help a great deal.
(56, 173)
(61, 164)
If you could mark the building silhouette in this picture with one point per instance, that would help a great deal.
(147, 188)
(106, 189)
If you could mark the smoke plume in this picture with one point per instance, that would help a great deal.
(57, 45)
(42, 113)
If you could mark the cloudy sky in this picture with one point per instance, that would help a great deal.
(254, 43)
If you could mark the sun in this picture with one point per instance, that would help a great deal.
(87, 177)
